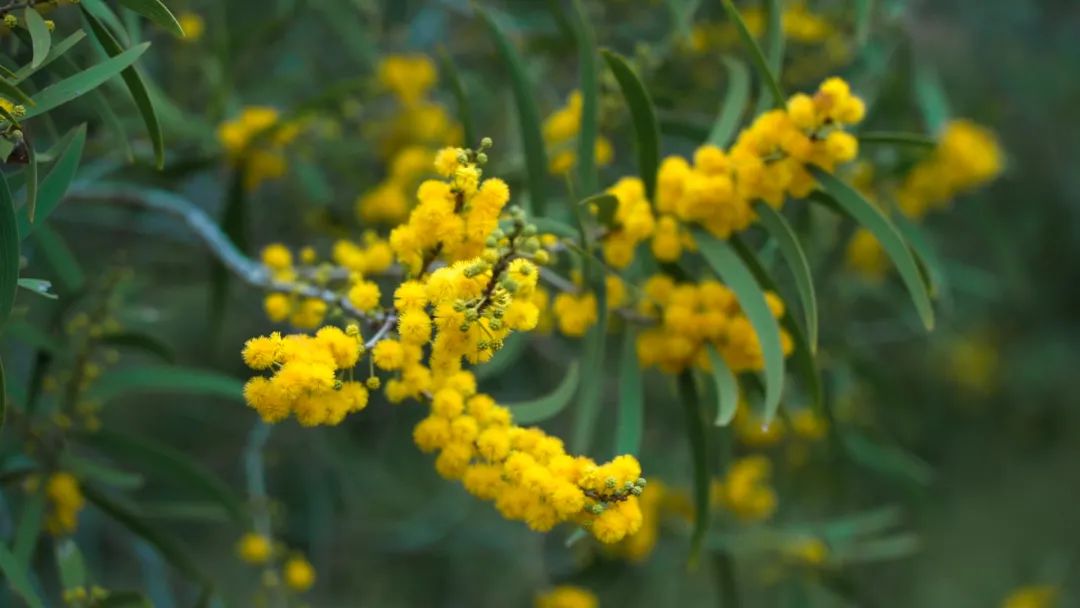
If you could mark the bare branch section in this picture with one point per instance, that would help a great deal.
(247, 269)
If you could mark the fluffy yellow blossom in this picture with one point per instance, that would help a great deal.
(255, 141)
(298, 573)
(254, 548)
(744, 490)
(967, 156)
(192, 24)
(575, 313)
(567, 596)
(65, 500)
(865, 255)
(1032, 596)
(408, 77)
(560, 131)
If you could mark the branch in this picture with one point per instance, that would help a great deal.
(250, 271)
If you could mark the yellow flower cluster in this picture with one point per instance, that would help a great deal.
(192, 24)
(65, 499)
(567, 596)
(307, 376)
(255, 142)
(806, 550)
(632, 223)
(297, 572)
(254, 548)
(967, 157)
(694, 315)
(1033, 596)
(388, 201)
(636, 547)
(526, 472)
(560, 131)
(408, 77)
(799, 23)
(745, 490)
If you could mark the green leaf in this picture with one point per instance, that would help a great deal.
(17, 578)
(461, 97)
(134, 82)
(40, 36)
(139, 341)
(9, 251)
(734, 103)
(31, 179)
(760, 62)
(170, 548)
(41, 287)
(646, 127)
(3, 396)
(157, 12)
(528, 116)
(699, 452)
(888, 460)
(868, 216)
(59, 257)
(575, 537)
(538, 410)
(162, 378)
(603, 207)
(13, 93)
(588, 178)
(931, 99)
(83, 82)
(513, 348)
(897, 138)
(55, 53)
(864, 13)
(32, 336)
(924, 252)
(727, 388)
(731, 269)
(773, 43)
(91, 471)
(631, 421)
(591, 393)
(70, 563)
(167, 463)
(893, 547)
(779, 229)
(55, 185)
(29, 529)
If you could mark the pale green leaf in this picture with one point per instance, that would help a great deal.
(538, 410)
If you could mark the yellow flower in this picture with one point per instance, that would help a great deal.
(567, 596)
(1032, 596)
(65, 502)
(299, 574)
(192, 24)
(254, 548)
(409, 77)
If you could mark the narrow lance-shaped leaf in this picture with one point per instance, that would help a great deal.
(9, 251)
(894, 138)
(60, 257)
(756, 55)
(119, 382)
(868, 216)
(14, 93)
(156, 11)
(646, 128)
(727, 388)
(528, 115)
(135, 85)
(83, 82)
(55, 52)
(17, 578)
(924, 252)
(631, 421)
(29, 528)
(31, 179)
(795, 257)
(70, 563)
(930, 96)
(140, 341)
(55, 185)
(588, 178)
(698, 438)
(40, 36)
(538, 410)
(727, 264)
(595, 346)
(734, 103)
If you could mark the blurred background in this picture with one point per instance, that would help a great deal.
(948, 476)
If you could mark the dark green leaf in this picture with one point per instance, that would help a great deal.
(646, 128)
(727, 388)
(731, 269)
(631, 421)
(125, 599)
(931, 99)
(157, 12)
(528, 115)
(17, 578)
(55, 52)
(889, 460)
(588, 178)
(31, 179)
(898, 138)
(89, 470)
(59, 257)
(591, 394)
(55, 185)
(773, 48)
(83, 82)
(170, 379)
(41, 287)
(864, 13)
(538, 410)
(760, 62)
(924, 252)
(134, 82)
(699, 452)
(868, 216)
(461, 97)
(889, 548)
(169, 547)
(29, 528)
(733, 105)
(9, 251)
(792, 251)
(32, 336)
(40, 36)
(169, 464)
(70, 563)
(139, 341)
